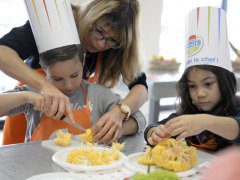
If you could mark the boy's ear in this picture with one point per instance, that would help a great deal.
(44, 69)
(40, 61)
(42, 66)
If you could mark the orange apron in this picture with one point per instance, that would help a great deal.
(94, 77)
(209, 145)
(14, 129)
(47, 125)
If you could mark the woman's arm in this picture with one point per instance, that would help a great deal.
(108, 128)
(136, 98)
(13, 65)
(138, 94)
(130, 127)
(12, 100)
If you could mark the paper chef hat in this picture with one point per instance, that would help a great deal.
(206, 38)
(52, 23)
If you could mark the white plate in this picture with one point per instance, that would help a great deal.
(60, 158)
(49, 144)
(58, 176)
(133, 165)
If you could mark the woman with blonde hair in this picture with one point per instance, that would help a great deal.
(109, 33)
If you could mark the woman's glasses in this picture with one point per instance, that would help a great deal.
(98, 34)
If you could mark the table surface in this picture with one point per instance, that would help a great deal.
(22, 161)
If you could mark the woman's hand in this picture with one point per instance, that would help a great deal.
(157, 134)
(109, 127)
(56, 103)
(187, 125)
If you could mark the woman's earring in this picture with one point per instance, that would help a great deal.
(84, 58)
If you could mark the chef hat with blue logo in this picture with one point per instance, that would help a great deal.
(207, 38)
(52, 23)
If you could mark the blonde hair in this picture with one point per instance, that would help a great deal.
(121, 16)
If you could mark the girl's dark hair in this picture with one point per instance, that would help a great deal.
(64, 53)
(227, 85)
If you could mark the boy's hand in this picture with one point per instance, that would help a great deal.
(157, 134)
(37, 100)
(109, 127)
(186, 125)
(56, 103)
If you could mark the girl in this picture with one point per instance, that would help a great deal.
(209, 113)
(109, 33)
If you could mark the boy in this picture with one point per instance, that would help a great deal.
(63, 67)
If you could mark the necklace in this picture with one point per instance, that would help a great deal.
(90, 67)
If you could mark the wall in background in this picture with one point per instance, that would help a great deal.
(13, 14)
(150, 27)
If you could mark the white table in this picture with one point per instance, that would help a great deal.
(162, 84)
(18, 162)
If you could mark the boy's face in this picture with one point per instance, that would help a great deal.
(204, 89)
(66, 75)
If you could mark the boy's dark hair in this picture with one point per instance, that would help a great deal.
(227, 85)
(64, 53)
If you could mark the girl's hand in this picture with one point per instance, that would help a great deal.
(187, 125)
(109, 127)
(158, 133)
(37, 100)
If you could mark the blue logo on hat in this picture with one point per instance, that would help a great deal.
(194, 44)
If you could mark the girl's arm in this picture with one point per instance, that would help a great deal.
(226, 127)
(9, 101)
(149, 129)
(190, 125)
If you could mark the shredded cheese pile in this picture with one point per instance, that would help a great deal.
(62, 139)
(87, 136)
(90, 155)
(147, 157)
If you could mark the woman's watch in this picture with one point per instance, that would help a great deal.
(125, 110)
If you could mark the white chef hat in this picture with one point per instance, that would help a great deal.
(206, 38)
(52, 23)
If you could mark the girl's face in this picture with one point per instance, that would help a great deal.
(203, 88)
(66, 75)
(101, 38)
